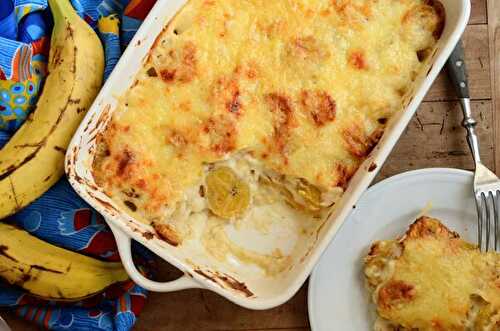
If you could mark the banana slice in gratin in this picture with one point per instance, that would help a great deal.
(228, 196)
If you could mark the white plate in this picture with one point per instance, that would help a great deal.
(338, 299)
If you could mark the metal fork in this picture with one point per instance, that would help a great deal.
(486, 183)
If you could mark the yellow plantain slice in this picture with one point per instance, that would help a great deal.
(311, 195)
(227, 195)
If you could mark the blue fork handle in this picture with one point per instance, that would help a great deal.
(458, 76)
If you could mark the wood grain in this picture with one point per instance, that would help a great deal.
(478, 12)
(477, 51)
(204, 310)
(494, 39)
(435, 138)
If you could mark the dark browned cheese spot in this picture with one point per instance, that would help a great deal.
(222, 133)
(357, 60)
(152, 72)
(125, 160)
(130, 205)
(234, 105)
(372, 167)
(148, 235)
(168, 234)
(284, 119)
(308, 47)
(177, 139)
(319, 105)
(180, 66)
(394, 292)
(440, 12)
(189, 63)
(225, 92)
(131, 193)
(168, 75)
(344, 175)
(382, 120)
(422, 54)
(358, 143)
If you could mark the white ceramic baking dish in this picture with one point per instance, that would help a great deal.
(245, 288)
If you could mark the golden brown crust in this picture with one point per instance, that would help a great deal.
(222, 132)
(302, 101)
(344, 174)
(319, 105)
(283, 120)
(395, 292)
(426, 226)
(167, 233)
(308, 48)
(358, 143)
(441, 17)
(430, 279)
(357, 60)
(180, 65)
(431, 12)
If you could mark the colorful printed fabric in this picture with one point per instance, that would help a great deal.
(24, 41)
(60, 216)
(25, 27)
(114, 309)
(104, 16)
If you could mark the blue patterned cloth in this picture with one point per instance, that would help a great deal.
(60, 216)
(24, 41)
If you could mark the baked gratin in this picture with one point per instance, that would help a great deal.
(430, 279)
(255, 111)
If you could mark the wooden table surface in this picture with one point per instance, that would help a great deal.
(434, 138)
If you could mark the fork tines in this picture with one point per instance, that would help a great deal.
(487, 203)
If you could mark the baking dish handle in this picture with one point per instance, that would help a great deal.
(123, 241)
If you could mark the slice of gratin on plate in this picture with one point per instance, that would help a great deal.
(430, 279)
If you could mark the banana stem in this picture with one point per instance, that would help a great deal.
(61, 10)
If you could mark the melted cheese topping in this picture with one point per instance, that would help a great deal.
(432, 280)
(303, 87)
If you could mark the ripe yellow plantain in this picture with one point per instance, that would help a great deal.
(33, 159)
(52, 272)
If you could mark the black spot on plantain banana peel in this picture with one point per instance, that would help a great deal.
(3, 251)
(41, 267)
(33, 159)
(51, 272)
